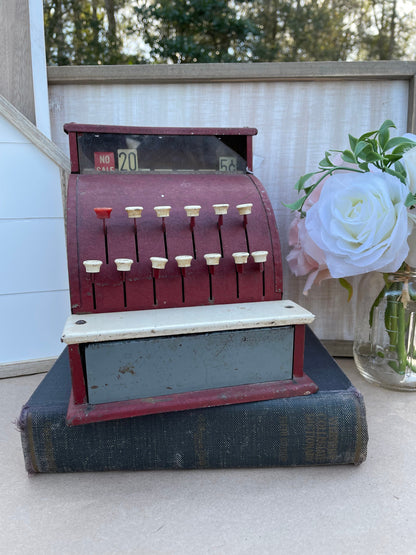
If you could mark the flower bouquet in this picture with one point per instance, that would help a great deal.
(355, 217)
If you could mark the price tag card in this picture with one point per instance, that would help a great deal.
(227, 164)
(127, 160)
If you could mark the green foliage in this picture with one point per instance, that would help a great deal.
(302, 31)
(383, 30)
(374, 147)
(96, 31)
(185, 31)
(83, 32)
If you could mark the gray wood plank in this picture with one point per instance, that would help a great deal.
(265, 71)
(16, 82)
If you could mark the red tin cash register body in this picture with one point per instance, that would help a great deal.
(175, 275)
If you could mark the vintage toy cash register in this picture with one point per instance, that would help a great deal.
(175, 275)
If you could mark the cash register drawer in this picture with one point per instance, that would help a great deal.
(150, 367)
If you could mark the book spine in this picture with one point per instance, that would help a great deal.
(24, 425)
(322, 429)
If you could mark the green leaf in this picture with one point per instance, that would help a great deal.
(364, 166)
(387, 124)
(326, 162)
(374, 144)
(297, 205)
(302, 180)
(392, 158)
(383, 137)
(410, 200)
(366, 149)
(347, 285)
(360, 147)
(353, 142)
(396, 174)
(367, 135)
(308, 190)
(348, 157)
(372, 156)
(400, 141)
(398, 166)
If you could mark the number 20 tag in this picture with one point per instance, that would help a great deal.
(127, 160)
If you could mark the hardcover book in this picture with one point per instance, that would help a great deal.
(324, 428)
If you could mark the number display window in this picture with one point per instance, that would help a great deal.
(128, 153)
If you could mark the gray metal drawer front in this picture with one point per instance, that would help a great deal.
(151, 367)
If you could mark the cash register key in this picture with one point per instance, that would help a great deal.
(123, 264)
(162, 211)
(240, 258)
(158, 263)
(212, 259)
(92, 266)
(244, 209)
(134, 211)
(220, 209)
(260, 256)
(103, 213)
(192, 210)
(184, 261)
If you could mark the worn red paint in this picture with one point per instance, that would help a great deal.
(86, 413)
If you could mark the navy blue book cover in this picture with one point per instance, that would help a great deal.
(328, 427)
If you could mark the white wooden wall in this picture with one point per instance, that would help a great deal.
(296, 121)
(34, 298)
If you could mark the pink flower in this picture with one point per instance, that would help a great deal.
(306, 257)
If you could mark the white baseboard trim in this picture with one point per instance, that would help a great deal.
(338, 347)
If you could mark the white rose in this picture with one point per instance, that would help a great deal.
(409, 162)
(360, 222)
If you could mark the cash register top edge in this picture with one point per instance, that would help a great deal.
(91, 128)
(86, 328)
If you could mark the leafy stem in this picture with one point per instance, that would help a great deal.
(300, 186)
(374, 148)
(395, 319)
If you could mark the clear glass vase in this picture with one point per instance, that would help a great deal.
(385, 333)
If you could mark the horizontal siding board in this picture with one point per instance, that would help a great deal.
(32, 325)
(33, 256)
(30, 183)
